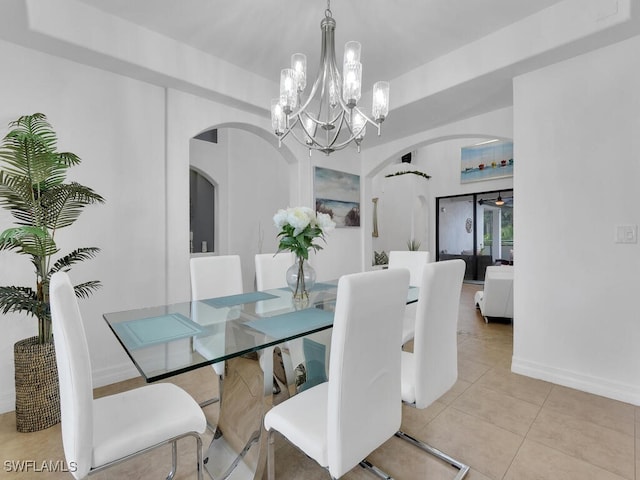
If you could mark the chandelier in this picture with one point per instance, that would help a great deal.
(329, 118)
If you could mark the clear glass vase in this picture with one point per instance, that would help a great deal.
(301, 277)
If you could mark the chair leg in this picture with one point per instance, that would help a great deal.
(375, 470)
(271, 467)
(211, 401)
(200, 466)
(463, 469)
(174, 460)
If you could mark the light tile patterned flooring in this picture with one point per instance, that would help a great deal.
(505, 426)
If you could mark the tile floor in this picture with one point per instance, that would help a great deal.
(505, 426)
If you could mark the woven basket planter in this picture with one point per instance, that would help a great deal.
(37, 385)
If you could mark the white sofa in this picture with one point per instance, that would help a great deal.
(496, 300)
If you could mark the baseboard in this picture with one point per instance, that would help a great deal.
(102, 377)
(598, 386)
(8, 401)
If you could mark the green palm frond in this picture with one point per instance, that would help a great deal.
(78, 255)
(83, 290)
(16, 195)
(19, 299)
(28, 240)
(29, 148)
(33, 189)
(63, 204)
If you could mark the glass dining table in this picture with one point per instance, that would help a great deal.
(241, 331)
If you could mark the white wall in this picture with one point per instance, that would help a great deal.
(576, 137)
(116, 125)
(189, 115)
(437, 153)
(252, 182)
(134, 140)
(259, 186)
(403, 212)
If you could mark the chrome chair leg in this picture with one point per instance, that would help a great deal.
(200, 465)
(375, 470)
(271, 467)
(174, 455)
(463, 469)
(211, 401)
(174, 460)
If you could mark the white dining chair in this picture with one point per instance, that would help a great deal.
(211, 277)
(340, 422)
(97, 434)
(414, 261)
(432, 368)
(271, 269)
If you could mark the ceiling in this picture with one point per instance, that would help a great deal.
(447, 60)
(260, 36)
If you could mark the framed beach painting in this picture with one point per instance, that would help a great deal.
(337, 194)
(486, 161)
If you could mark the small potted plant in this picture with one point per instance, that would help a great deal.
(413, 245)
(33, 189)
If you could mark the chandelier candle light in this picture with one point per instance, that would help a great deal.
(329, 118)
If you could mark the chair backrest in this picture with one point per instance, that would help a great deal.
(74, 371)
(271, 269)
(435, 344)
(412, 260)
(364, 398)
(498, 292)
(215, 276)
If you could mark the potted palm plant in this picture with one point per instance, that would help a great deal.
(33, 189)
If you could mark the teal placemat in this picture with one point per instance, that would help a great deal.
(293, 323)
(238, 299)
(317, 286)
(145, 332)
(412, 295)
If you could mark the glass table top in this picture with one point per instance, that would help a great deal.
(167, 340)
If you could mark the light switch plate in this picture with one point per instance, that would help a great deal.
(626, 234)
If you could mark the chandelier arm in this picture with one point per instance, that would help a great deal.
(289, 128)
(303, 142)
(312, 94)
(330, 142)
(367, 120)
(335, 131)
(309, 137)
(315, 145)
(327, 31)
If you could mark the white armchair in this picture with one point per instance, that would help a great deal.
(496, 300)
